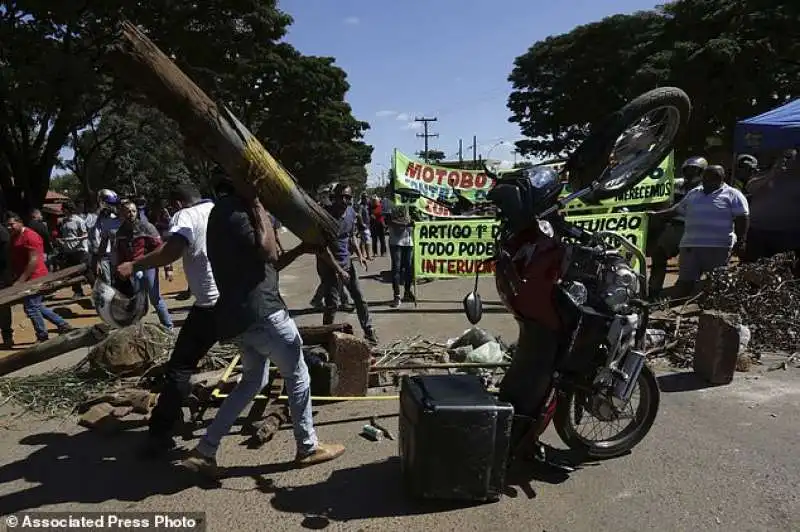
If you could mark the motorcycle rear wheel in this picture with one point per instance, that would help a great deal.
(565, 423)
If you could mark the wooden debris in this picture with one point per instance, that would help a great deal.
(322, 334)
(59, 345)
(43, 285)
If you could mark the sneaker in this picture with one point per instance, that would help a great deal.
(395, 302)
(201, 464)
(408, 297)
(325, 452)
(155, 447)
(64, 329)
(40, 339)
(371, 337)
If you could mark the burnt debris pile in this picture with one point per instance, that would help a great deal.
(766, 297)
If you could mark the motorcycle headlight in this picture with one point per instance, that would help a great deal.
(578, 293)
(623, 284)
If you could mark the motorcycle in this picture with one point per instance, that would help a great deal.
(580, 305)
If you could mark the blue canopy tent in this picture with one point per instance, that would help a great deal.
(777, 129)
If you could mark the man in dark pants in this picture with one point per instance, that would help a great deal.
(186, 239)
(5, 281)
(343, 270)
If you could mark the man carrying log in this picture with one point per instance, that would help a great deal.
(246, 261)
(185, 238)
(27, 263)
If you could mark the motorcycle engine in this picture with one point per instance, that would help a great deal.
(618, 283)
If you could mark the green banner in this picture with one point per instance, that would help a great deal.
(457, 247)
(433, 183)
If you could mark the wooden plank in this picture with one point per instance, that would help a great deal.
(219, 135)
(53, 347)
(42, 285)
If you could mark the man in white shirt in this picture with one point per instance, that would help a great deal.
(716, 221)
(186, 239)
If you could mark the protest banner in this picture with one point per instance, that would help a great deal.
(452, 248)
(657, 187)
(438, 182)
(459, 247)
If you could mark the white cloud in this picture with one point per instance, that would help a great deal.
(352, 21)
(385, 113)
(412, 125)
(403, 117)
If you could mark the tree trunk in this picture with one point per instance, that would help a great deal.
(219, 135)
(85, 337)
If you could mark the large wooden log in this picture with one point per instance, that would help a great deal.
(219, 135)
(53, 347)
(43, 285)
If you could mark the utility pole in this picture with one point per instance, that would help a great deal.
(426, 135)
(475, 152)
(460, 153)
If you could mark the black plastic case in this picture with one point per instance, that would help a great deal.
(454, 438)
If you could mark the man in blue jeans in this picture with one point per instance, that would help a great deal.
(245, 260)
(27, 263)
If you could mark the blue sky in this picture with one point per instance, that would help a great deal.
(444, 58)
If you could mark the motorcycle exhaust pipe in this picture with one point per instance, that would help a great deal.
(630, 368)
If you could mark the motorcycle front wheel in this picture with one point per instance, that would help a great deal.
(574, 408)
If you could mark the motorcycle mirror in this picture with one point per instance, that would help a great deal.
(473, 307)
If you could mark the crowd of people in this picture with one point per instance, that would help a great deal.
(751, 214)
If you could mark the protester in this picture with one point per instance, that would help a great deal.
(377, 228)
(74, 242)
(5, 280)
(364, 226)
(27, 263)
(343, 271)
(38, 224)
(401, 249)
(186, 239)
(716, 220)
(746, 169)
(667, 245)
(775, 212)
(134, 239)
(246, 261)
(102, 233)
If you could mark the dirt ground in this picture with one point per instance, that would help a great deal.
(718, 458)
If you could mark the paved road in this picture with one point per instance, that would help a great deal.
(717, 459)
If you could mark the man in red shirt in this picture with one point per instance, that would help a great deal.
(27, 263)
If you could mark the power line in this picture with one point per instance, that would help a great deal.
(426, 135)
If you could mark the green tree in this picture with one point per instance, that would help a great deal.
(734, 58)
(433, 156)
(53, 84)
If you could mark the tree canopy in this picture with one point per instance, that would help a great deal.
(55, 90)
(734, 58)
